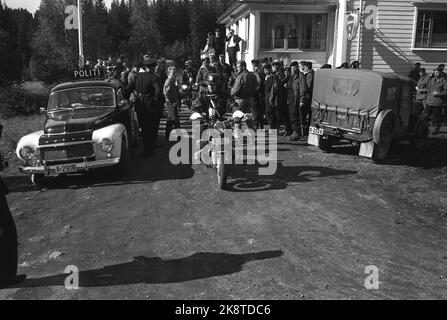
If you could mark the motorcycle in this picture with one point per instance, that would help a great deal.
(217, 146)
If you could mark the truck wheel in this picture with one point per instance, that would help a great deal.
(123, 166)
(326, 143)
(221, 169)
(38, 180)
(419, 134)
(383, 135)
(384, 126)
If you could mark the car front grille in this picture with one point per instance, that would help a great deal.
(71, 152)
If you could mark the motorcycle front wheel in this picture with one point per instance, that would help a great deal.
(221, 169)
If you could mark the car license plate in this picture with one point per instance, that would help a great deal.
(66, 168)
(316, 131)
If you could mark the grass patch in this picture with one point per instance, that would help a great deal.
(17, 127)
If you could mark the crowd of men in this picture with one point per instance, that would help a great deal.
(278, 96)
(431, 92)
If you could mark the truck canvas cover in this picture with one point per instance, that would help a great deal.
(350, 91)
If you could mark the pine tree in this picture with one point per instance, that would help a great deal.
(145, 35)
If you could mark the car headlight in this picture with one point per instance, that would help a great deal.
(106, 145)
(27, 153)
(184, 87)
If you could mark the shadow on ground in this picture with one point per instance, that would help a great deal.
(157, 270)
(244, 178)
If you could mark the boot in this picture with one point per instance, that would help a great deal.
(294, 137)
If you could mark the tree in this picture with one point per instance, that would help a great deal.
(54, 48)
(15, 33)
(145, 35)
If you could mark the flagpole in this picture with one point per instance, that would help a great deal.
(81, 44)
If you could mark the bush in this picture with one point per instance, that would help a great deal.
(19, 102)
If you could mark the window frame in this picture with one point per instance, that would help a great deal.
(417, 9)
(286, 18)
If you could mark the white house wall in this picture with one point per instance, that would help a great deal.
(388, 46)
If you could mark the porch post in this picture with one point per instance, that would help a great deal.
(341, 46)
(255, 31)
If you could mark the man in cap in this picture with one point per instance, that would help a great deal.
(146, 89)
(204, 70)
(436, 99)
(278, 97)
(233, 47)
(258, 110)
(189, 74)
(297, 119)
(227, 71)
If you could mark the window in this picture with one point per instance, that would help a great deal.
(293, 31)
(431, 29)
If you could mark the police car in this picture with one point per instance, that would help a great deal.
(88, 125)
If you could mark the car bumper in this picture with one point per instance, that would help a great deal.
(80, 166)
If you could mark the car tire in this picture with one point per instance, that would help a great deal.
(419, 134)
(383, 135)
(124, 164)
(325, 143)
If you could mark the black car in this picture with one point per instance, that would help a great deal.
(88, 125)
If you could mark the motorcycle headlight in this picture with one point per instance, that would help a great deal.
(220, 126)
(195, 116)
(27, 153)
(106, 145)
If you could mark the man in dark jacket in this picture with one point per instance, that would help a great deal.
(296, 114)
(228, 72)
(204, 70)
(147, 89)
(258, 110)
(306, 91)
(414, 73)
(279, 96)
(244, 88)
(218, 43)
(437, 93)
(271, 112)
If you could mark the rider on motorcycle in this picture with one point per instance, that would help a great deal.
(212, 89)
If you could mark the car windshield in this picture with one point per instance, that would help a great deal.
(77, 98)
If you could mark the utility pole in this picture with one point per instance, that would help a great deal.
(81, 44)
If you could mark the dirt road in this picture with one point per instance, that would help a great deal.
(308, 232)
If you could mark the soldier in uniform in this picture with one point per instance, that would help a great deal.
(147, 90)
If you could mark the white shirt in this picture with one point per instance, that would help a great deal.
(231, 42)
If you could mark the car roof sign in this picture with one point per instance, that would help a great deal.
(84, 74)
